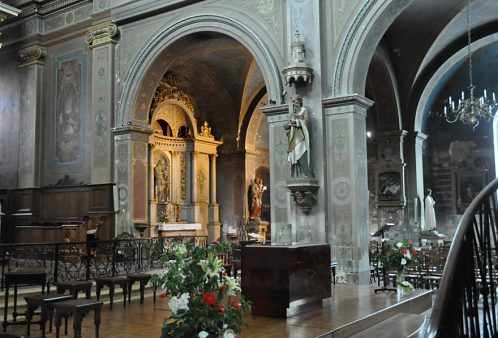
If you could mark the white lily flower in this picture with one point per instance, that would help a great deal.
(399, 245)
(229, 334)
(403, 261)
(176, 304)
(203, 334)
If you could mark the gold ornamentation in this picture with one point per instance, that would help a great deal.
(31, 55)
(183, 178)
(201, 179)
(101, 34)
(206, 130)
(167, 90)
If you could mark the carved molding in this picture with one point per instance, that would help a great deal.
(31, 55)
(304, 192)
(101, 34)
(167, 90)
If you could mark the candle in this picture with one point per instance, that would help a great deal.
(485, 95)
(445, 111)
(494, 96)
(453, 104)
(463, 97)
(450, 100)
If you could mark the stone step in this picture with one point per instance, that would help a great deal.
(411, 308)
(400, 325)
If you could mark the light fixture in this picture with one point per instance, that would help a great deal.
(5, 11)
(471, 110)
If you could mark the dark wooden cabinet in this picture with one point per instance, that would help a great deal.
(282, 281)
(54, 206)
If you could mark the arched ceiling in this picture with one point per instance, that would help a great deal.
(421, 39)
(214, 71)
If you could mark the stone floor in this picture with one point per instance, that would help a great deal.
(339, 317)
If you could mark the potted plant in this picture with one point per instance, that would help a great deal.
(204, 301)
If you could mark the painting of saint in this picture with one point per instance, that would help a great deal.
(67, 110)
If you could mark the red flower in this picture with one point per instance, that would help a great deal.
(209, 298)
(235, 304)
(220, 308)
(162, 295)
(403, 251)
(413, 252)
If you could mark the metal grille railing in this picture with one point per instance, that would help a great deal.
(87, 260)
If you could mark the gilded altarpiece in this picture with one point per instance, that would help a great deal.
(182, 172)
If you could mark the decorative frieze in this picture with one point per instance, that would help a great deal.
(32, 55)
(103, 33)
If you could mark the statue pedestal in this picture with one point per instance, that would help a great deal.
(283, 281)
(302, 199)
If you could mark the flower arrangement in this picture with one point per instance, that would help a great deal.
(204, 302)
(163, 218)
(399, 256)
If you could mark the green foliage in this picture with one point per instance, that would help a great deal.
(398, 256)
(163, 218)
(205, 302)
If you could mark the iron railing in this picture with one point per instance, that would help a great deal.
(87, 260)
(466, 303)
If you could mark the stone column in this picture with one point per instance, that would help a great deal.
(102, 40)
(193, 187)
(152, 197)
(214, 215)
(31, 61)
(415, 179)
(347, 184)
(280, 199)
(212, 181)
(131, 171)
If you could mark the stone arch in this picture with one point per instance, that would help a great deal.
(175, 113)
(132, 104)
(440, 74)
(359, 42)
(251, 121)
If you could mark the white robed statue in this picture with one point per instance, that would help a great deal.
(430, 213)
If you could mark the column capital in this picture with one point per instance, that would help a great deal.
(31, 55)
(347, 100)
(103, 33)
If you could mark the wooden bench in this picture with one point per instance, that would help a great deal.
(77, 308)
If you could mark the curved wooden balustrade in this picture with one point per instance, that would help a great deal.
(466, 303)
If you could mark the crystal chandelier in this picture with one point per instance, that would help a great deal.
(471, 110)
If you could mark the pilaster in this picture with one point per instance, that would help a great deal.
(214, 213)
(130, 146)
(347, 188)
(280, 197)
(415, 179)
(102, 39)
(31, 62)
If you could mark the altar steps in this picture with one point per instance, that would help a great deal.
(379, 315)
(400, 325)
(352, 311)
